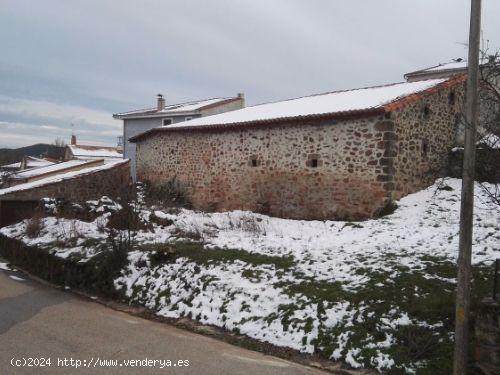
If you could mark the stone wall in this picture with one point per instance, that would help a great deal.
(487, 164)
(305, 171)
(347, 169)
(424, 133)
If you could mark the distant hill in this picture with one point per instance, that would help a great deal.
(14, 155)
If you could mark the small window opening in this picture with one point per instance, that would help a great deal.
(254, 162)
(427, 112)
(425, 147)
(167, 121)
(188, 118)
(313, 163)
(451, 98)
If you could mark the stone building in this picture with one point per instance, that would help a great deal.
(136, 122)
(74, 180)
(338, 155)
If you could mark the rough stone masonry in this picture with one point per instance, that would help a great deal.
(349, 168)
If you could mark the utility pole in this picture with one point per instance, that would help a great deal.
(462, 305)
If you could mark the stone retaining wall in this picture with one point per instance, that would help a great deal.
(487, 164)
(487, 352)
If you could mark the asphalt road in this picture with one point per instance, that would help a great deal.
(40, 322)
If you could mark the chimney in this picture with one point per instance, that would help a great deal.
(242, 97)
(73, 139)
(161, 102)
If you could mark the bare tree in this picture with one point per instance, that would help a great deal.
(488, 132)
(59, 142)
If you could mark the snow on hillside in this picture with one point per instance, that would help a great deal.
(377, 293)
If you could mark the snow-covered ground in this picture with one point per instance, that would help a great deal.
(375, 293)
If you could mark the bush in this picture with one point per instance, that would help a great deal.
(388, 209)
(172, 193)
(34, 226)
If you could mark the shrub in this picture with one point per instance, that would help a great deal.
(161, 221)
(172, 193)
(34, 226)
(388, 209)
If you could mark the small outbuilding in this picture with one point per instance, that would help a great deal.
(338, 155)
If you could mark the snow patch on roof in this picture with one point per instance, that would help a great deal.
(454, 65)
(49, 169)
(32, 162)
(11, 166)
(328, 103)
(94, 151)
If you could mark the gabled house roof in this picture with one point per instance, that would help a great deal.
(187, 108)
(94, 152)
(33, 162)
(452, 67)
(28, 162)
(443, 70)
(54, 169)
(358, 103)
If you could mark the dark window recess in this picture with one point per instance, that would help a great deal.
(427, 112)
(425, 147)
(451, 98)
(254, 162)
(167, 121)
(313, 163)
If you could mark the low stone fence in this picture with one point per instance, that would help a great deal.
(83, 276)
(487, 353)
(487, 164)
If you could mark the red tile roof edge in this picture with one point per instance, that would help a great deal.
(412, 98)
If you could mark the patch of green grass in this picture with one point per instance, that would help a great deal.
(196, 252)
(422, 294)
(316, 290)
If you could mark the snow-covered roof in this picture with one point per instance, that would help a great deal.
(11, 166)
(454, 65)
(32, 162)
(50, 169)
(175, 109)
(60, 177)
(89, 152)
(444, 69)
(364, 101)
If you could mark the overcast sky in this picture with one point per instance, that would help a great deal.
(80, 61)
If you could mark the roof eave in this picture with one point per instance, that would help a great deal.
(266, 122)
(156, 115)
(127, 115)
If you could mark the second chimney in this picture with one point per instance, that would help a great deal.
(161, 102)
(73, 139)
(242, 97)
